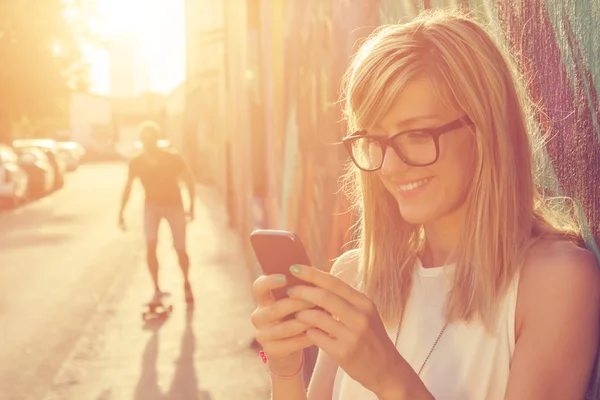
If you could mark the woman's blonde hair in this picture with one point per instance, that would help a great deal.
(506, 211)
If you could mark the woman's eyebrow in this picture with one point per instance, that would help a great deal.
(418, 118)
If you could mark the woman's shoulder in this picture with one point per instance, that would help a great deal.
(345, 267)
(552, 257)
(557, 274)
(559, 263)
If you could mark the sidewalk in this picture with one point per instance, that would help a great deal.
(202, 354)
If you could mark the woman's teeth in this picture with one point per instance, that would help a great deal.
(413, 185)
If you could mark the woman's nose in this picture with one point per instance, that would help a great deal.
(392, 164)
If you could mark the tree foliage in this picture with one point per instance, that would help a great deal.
(40, 59)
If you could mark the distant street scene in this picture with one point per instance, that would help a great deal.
(72, 291)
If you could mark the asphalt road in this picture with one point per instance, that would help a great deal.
(59, 257)
(72, 286)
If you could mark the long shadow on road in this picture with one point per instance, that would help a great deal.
(40, 226)
(184, 385)
(30, 240)
(35, 227)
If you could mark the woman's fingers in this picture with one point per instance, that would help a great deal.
(323, 321)
(284, 330)
(263, 286)
(285, 347)
(281, 338)
(276, 311)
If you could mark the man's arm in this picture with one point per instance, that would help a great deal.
(126, 193)
(188, 179)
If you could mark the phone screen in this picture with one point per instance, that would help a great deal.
(276, 251)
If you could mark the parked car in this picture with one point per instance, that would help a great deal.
(37, 165)
(72, 152)
(13, 180)
(50, 148)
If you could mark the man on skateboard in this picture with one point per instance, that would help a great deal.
(158, 308)
(159, 171)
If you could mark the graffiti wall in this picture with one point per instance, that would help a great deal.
(288, 64)
(295, 54)
(305, 47)
(559, 48)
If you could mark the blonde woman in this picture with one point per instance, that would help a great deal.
(465, 285)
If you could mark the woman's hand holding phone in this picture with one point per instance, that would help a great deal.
(282, 338)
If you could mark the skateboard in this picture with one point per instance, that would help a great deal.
(158, 309)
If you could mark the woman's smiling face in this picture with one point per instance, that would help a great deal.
(425, 194)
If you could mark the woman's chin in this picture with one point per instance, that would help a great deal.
(416, 214)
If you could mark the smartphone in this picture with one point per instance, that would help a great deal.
(276, 251)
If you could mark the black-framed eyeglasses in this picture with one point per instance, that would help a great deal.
(415, 147)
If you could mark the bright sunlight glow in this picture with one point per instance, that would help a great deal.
(157, 29)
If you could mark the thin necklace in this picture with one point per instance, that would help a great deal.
(432, 347)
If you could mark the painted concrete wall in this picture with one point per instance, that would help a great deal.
(304, 48)
(262, 104)
(280, 115)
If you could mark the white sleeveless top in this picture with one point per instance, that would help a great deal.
(468, 363)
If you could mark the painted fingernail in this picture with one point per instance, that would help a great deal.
(289, 291)
(307, 303)
(294, 269)
(263, 356)
(280, 279)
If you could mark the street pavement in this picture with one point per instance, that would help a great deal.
(72, 286)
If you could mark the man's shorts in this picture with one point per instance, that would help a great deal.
(175, 216)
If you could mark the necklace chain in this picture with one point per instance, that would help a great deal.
(432, 347)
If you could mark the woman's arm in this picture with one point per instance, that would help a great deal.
(557, 321)
(322, 381)
(288, 388)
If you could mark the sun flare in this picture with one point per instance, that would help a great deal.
(157, 30)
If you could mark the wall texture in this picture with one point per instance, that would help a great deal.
(297, 51)
(266, 122)
(304, 49)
